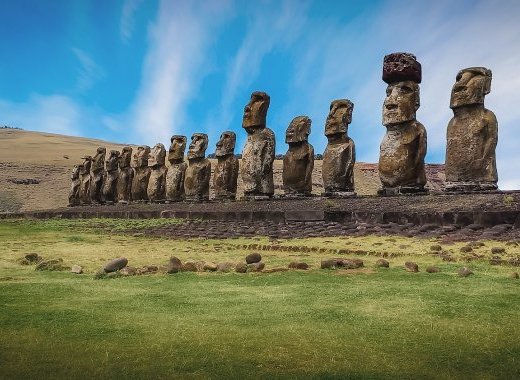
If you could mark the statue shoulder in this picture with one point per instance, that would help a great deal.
(490, 117)
(268, 133)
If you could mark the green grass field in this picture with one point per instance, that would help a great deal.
(367, 323)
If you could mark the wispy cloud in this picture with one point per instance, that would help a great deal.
(89, 72)
(53, 113)
(174, 66)
(127, 22)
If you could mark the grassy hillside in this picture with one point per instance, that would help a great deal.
(48, 158)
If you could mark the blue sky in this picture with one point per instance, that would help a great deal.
(136, 71)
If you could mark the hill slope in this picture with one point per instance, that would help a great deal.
(35, 169)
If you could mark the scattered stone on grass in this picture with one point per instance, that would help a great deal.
(255, 267)
(436, 248)
(253, 258)
(210, 267)
(496, 261)
(225, 267)
(298, 265)
(411, 267)
(116, 264)
(76, 269)
(329, 264)
(466, 249)
(351, 263)
(447, 257)
(189, 266)
(465, 272)
(382, 263)
(514, 275)
(241, 268)
(148, 269)
(515, 261)
(174, 265)
(432, 269)
(476, 244)
(51, 265)
(498, 250)
(128, 271)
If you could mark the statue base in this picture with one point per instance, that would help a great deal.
(339, 194)
(470, 187)
(293, 196)
(197, 198)
(250, 197)
(225, 198)
(402, 190)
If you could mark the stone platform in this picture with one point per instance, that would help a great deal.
(486, 210)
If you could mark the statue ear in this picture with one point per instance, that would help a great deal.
(487, 85)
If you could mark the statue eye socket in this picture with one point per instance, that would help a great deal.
(406, 90)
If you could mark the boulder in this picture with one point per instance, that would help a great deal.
(329, 264)
(411, 267)
(298, 265)
(382, 263)
(466, 249)
(50, 265)
(253, 258)
(241, 268)
(498, 250)
(174, 265)
(76, 269)
(225, 267)
(255, 267)
(32, 257)
(128, 271)
(189, 266)
(351, 263)
(465, 272)
(436, 248)
(211, 267)
(432, 269)
(115, 265)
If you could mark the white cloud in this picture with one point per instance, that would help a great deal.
(127, 22)
(89, 73)
(174, 66)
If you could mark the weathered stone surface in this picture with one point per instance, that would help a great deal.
(189, 266)
(436, 248)
(156, 190)
(50, 265)
(210, 267)
(198, 173)
(76, 269)
(329, 264)
(298, 265)
(85, 180)
(225, 267)
(253, 258)
(259, 151)
(241, 268)
(382, 263)
(432, 269)
(472, 134)
(402, 151)
(465, 272)
(128, 271)
(74, 186)
(177, 170)
(298, 162)
(498, 250)
(411, 266)
(255, 267)
(97, 174)
(115, 264)
(174, 265)
(147, 269)
(110, 176)
(225, 178)
(141, 174)
(125, 176)
(351, 263)
(33, 257)
(340, 154)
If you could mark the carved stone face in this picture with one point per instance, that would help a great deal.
(75, 172)
(177, 148)
(255, 112)
(470, 87)
(98, 161)
(112, 161)
(401, 102)
(125, 157)
(226, 144)
(198, 146)
(340, 116)
(157, 155)
(140, 159)
(298, 130)
(84, 168)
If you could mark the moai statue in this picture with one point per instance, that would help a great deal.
(298, 162)
(109, 189)
(472, 134)
(401, 159)
(198, 173)
(97, 171)
(226, 173)
(157, 183)
(85, 180)
(340, 154)
(141, 174)
(125, 176)
(258, 153)
(75, 186)
(177, 170)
